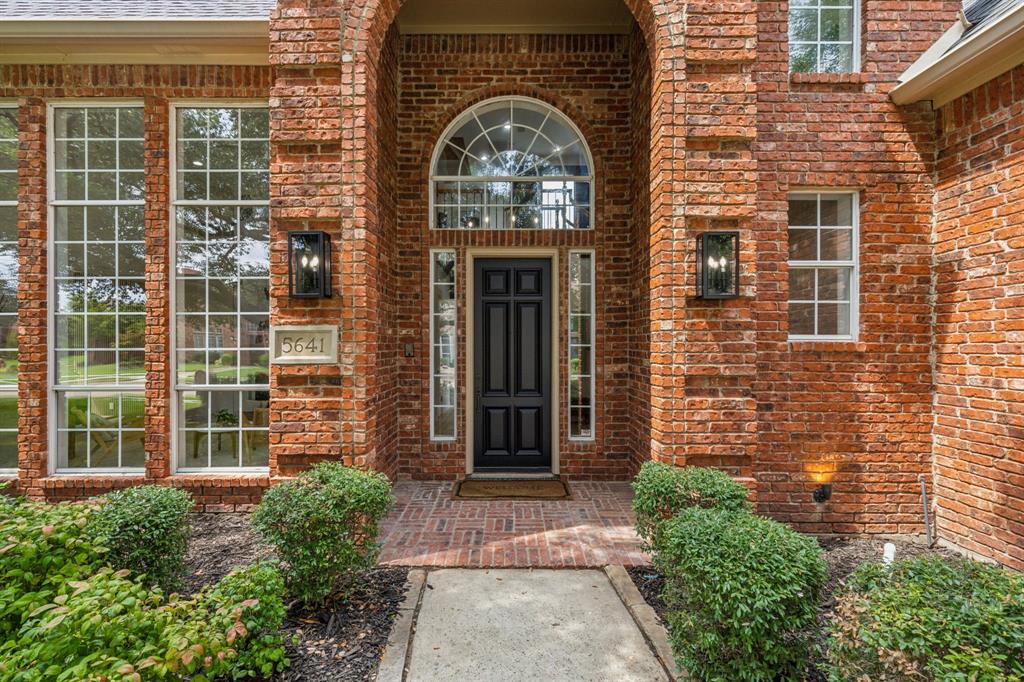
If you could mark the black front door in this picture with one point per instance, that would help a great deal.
(512, 358)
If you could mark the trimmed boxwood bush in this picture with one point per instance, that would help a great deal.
(324, 526)
(661, 490)
(741, 593)
(145, 529)
(928, 619)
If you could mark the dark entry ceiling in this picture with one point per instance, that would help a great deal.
(518, 16)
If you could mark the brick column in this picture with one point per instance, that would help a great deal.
(159, 372)
(312, 408)
(33, 384)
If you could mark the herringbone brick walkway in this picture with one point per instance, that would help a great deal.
(428, 528)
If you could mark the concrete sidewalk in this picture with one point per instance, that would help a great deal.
(519, 625)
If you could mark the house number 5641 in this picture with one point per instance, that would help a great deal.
(304, 345)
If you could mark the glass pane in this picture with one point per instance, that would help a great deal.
(255, 448)
(803, 25)
(8, 449)
(8, 412)
(8, 368)
(836, 58)
(803, 244)
(801, 284)
(444, 422)
(803, 211)
(834, 319)
(833, 284)
(801, 319)
(803, 58)
(837, 24)
(837, 210)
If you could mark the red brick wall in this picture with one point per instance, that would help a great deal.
(588, 79)
(857, 415)
(979, 320)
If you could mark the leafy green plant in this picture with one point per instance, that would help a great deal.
(145, 530)
(324, 526)
(661, 490)
(253, 596)
(928, 619)
(107, 627)
(741, 593)
(42, 546)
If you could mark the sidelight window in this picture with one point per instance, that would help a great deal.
(823, 266)
(98, 270)
(443, 384)
(581, 345)
(512, 163)
(222, 287)
(8, 288)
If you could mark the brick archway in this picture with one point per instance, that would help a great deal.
(326, 130)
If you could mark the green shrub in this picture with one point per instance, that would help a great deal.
(741, 594)
(661, 490)
(324, 525)
(145, 530)
(929, 619)
(107, 627)
(260, 589)
(42, 546)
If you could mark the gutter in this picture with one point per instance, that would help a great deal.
(149, 27)
(942, 74)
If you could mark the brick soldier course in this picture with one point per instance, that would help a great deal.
(695, 123)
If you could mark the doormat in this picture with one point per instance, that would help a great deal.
(511, 490)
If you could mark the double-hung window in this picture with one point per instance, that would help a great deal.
(98, 268)
(222, 287)
(823, 36)
(823, 265)
(8, 288)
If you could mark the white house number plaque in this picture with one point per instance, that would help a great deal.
(304, 345)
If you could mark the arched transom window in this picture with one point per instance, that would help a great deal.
(512, 163)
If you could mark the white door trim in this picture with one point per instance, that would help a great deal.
(556, 341)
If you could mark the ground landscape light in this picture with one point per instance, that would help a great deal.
(309, 264)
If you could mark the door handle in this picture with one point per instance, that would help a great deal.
(478, 393)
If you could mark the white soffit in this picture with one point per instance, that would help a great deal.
(520, 16)
(90, 40)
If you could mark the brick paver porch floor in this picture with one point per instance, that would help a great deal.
(428, 528)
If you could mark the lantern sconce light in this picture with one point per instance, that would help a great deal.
(718, 265)
(309, 264)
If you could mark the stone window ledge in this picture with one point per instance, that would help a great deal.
(828, 346)
(855, 78)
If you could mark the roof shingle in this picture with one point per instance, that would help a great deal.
(136, 9)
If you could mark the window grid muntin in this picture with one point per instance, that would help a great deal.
(582, 212)
(443, 344)
(819, 6)
(581, 293)
(850, 266)
(8, 288)
(257, 211)
(59, 201)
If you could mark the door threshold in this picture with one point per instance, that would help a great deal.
(511, 475)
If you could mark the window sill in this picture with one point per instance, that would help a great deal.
(257, 477)
(850, 78)
(827, 346)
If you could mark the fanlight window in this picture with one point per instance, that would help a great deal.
(512, 163)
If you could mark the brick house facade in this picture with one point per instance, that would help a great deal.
(694, 120)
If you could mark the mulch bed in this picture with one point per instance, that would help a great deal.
(342, 641)
(842, 555)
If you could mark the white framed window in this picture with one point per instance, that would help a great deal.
(824, 36)
(823, 265)
(443, 339)
(8, 288)
(581, 345)
(511, 163)
(98, 322)
(221, 235)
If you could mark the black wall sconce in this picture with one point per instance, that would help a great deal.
(309, 265)
(718, 265)
(823, 493)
